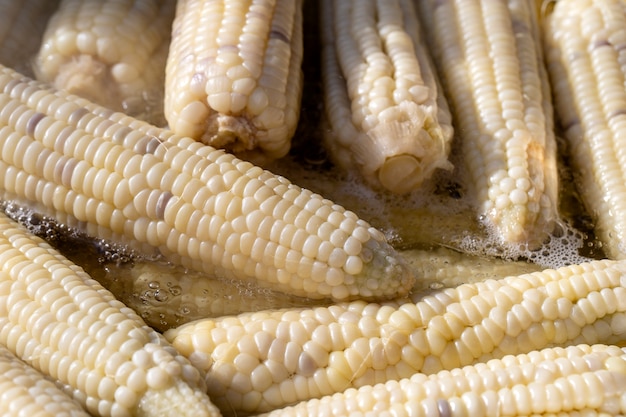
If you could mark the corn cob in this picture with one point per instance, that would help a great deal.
(388, 116)
(25, 392)
(112, 52)
(122, 179)
(57, 319)
(584, 43)
(261, 361)
(167, 297)
(578, 380)
(233, 76)
(490, 59)
(22, 24)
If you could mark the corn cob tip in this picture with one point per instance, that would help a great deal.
(177, 400)
(86, 77)
(384, 272)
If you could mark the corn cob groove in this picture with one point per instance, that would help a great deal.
(256, 362)
(122, 179)
(584, 43)
(26, 392)
(22, 24)
(574, 381)
(112, 52)
(57, 319)
(490, 59)
(388, 115)
(233, 76)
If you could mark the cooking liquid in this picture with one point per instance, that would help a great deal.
(434, 228)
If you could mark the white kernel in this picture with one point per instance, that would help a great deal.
(354, 265)
(157, 378)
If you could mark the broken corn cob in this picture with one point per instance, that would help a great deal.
(125, 180)
(584, 43)
(58, 320)
(388, 116)
(233, 76)
(22, 24)
(112, 52)
(490, 59)
(26, 392)
(575, 381)
(256, 362)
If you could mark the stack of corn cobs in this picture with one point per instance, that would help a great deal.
(150, 126)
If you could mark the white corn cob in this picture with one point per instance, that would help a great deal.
(22, 24)
(387, 113)
(169, 297)
(122, 179)
(112, 52)
(57, 319)
(256, 362)
(575, 381)
(233, 76)
(584, 44)
(24, 392)
(491, 65)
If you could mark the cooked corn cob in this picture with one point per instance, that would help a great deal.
(25, 392)
(122, 179)
(169, 297)
(233, 76)
(22, 24)
(387, 113)
(578, 380)
(489, 55)
(584, 43)
(57, 319)
(112, 52)
(261, 361)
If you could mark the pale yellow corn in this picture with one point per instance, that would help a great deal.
(24, 392)
(22, 24)
(58, 320)
(490, 59)
(167, 297)
(256, 362)
(585, 49)
(124, 180)
(233, 76)
(112, 52)
(387, 113)
(574, 381)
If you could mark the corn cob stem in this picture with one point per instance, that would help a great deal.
(388, 116)
(256, 362)
(121, 179)
(584, 42)
(57, 319)
(112, 52)
(574, 381)
(26, 392)
(22, 24)
(489, 55)
(233, 77)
